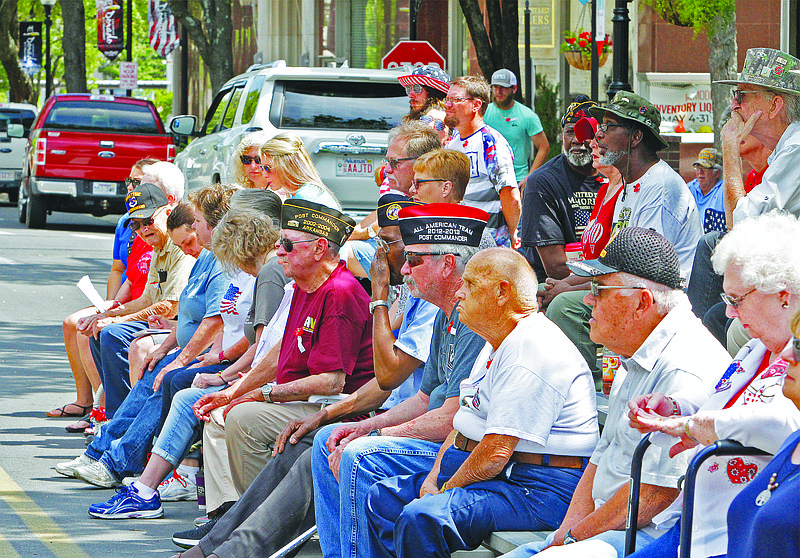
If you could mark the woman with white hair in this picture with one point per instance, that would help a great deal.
(247, 169)
(761, 265)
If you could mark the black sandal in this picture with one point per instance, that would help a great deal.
(62, 413)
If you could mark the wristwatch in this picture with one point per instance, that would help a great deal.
(375, 303)
(266, 391)
(568, 538)
(374, 432)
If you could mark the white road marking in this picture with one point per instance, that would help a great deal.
(6, 261)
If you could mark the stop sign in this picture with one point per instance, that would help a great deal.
(412, 53)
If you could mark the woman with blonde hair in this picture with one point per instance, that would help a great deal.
(288, 168)
(247, 169)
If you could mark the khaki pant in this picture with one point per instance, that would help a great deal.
(236, 449)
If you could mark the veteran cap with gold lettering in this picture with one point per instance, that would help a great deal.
(389, 206)
(317, 219)
(144, 200)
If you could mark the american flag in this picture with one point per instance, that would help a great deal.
(714, 220)
(163, 28)
(582, 219)
(228, 304)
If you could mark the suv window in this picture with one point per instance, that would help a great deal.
(216, 110)
(101, 116)
(338, 105)
(17, 116)
(230, 112)
(251, 102)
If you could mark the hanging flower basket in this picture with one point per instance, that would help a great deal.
(582, 60)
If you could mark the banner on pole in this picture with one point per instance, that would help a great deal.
(110, 36)
(163, 28)
(30, 46)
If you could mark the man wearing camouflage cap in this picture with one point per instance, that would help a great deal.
(766, 105)
(707, 190)
(640, 312)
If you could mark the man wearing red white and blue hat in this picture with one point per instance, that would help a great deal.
(425, 86)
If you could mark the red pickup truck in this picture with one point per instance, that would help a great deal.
(80, 150)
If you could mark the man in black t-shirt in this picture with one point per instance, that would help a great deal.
(558, 200)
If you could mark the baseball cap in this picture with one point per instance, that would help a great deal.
(709, 158)
(317, 219)
(389, 206)
(630, 106)
(504, 78)
(144, 200)
(430, 76)
(585, 128)
(577, 109)
(442, 223)
(769, 68)
(638, 251)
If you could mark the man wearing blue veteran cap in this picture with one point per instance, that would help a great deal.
(766, 105)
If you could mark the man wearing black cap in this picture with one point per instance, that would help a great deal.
(279, 504)
(348, 459)
(114, 330)
(326, 348)
(640, 312)
(558, 200)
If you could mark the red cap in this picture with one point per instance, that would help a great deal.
(585, 128)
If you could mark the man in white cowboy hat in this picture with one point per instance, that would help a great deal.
(766, 105)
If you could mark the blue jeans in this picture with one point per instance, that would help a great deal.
(616, 539)
(179, 382)
(521, 498)
(110, 354)
(340, 506)
(180, 424)
(123, 442)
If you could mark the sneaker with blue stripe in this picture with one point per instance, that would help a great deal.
(127, 504)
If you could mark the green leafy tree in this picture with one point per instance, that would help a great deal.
(717, 19)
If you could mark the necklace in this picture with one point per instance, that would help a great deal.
(764, 496)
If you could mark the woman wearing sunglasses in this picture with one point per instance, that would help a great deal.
(247, 161)
(126, 281)
(761, 267)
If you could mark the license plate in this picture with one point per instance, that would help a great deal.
(6, 175)
(355, 166)
(104, 188)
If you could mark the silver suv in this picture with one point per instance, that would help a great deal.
(13, 118)
(341, 114)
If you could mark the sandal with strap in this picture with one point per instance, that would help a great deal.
(61, 412)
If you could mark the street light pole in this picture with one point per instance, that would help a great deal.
(48, 78)
(620, 65)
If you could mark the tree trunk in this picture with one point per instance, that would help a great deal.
(213, 36)
(483, 48)
(722, 65)
(74, 46)
(20, 86)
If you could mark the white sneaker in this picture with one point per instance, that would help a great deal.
(97, 474)
(176, 488)
(127, 481)
(68, 467)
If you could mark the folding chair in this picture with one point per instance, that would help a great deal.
(720, 447)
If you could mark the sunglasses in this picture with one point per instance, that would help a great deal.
(415, 88)
(395, 162)
(288, 245)
(738, 95)
(247, 159)
(385, 245)
(604, 126)
(131, 183)
(266, 168)
(136, 224)
(415, 258)
(438, 125)
(735, 302)
(595, 288)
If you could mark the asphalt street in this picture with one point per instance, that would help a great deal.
(42, 513)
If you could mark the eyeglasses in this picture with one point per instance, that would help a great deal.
(735, 302)
(415, 183)
(596, 287)
(796, 348)
(288, 245)
(415, 258)
(247, 159)
(414, 88)
(604, 126)
(438, 125)
(385, 245)
(738, 94)
(136, 224)
(131, 183)
(266, 168)
(394, 162)
(454, 100)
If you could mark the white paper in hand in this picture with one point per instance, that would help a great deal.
(86, 287)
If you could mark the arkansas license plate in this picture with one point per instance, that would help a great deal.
(104, 188)
(6, 175)
(355, 166)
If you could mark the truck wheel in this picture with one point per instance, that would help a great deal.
(21, 210)
(36, 211)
